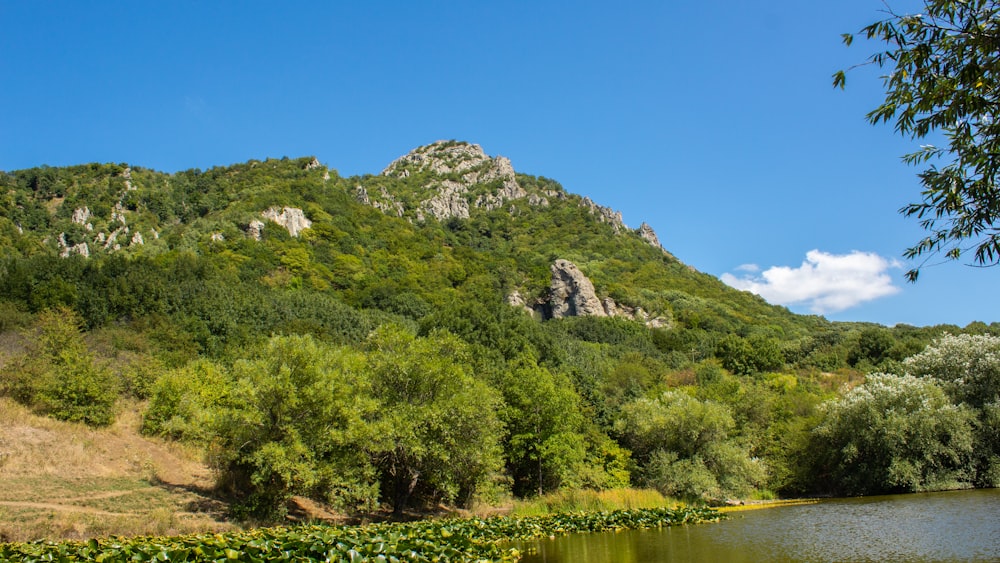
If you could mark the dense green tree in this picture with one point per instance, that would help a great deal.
(292, 423)
(183, 401)
(987, 450)
(545, 448)
(894, 434)
(968, 368)
(434, 432)
(873, 346)
(943, 81)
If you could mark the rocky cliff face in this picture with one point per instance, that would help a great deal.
(291, 218)
(571, 294)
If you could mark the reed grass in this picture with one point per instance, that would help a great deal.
(583, 500)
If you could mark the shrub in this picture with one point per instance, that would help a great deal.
(60, 377)
(686, 448)
(967, 365)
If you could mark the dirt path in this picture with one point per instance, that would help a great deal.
(64, 508)
(104, 495)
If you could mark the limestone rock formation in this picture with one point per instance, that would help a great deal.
(449, 201)
(291, 218)
(385, 203)
(314, 164)
(538, 306)
(459, 177)
(118, 213)
(571, 294)
(66, 249)
(604, 214)
(255, 229)
(127, 174)
(647, 233)
(81, 216)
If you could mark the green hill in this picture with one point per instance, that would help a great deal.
(447, 330)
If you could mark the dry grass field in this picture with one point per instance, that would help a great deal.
(60, 480)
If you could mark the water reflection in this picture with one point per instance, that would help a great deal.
(954, 526)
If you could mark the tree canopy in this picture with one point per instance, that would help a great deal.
(943, 82)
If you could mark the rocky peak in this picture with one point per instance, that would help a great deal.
(441, 158)
(649, 235)
(454, 173)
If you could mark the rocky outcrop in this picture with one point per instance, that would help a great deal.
(537, 200)
(385, 203)
(515, 299)
(127, 174)
(81, 216)
(66, 249)
(314, 164)
(291, 218)
(442, 158)
(604, 214)
(112, 241)
(571, 294)
(647, 233)
(255, 229)
(118, 213)
(458, 176)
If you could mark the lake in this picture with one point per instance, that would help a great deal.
(949, 526)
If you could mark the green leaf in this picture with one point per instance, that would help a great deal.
(839, 79)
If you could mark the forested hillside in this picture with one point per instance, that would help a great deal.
(449, 330)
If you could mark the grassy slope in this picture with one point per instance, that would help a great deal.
(62, 480)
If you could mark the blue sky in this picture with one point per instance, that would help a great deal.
(714, 122)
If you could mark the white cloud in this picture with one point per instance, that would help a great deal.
(825, 283)
(752, 268)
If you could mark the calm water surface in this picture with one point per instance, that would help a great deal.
(952, 526)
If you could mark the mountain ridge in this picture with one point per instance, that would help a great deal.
(453, 180)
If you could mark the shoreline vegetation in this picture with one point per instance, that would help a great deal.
(453, 539)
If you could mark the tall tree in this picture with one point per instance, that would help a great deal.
(435, 434)
(944, 80)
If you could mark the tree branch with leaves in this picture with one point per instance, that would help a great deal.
(943, 80)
